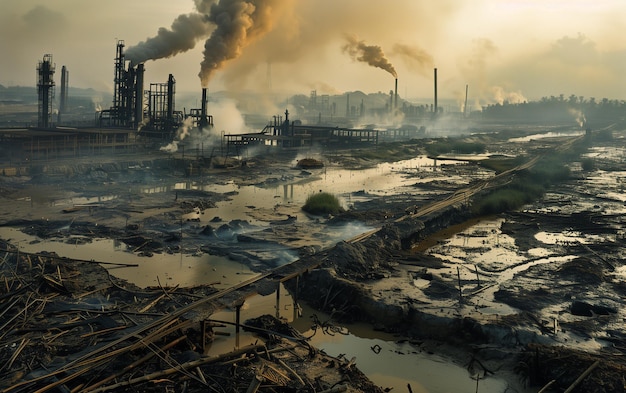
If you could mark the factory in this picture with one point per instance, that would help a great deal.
(143, 117)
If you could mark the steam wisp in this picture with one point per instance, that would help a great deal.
(370, 54)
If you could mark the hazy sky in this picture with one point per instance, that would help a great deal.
(502, 49)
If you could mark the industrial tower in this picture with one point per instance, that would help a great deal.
(45, 90)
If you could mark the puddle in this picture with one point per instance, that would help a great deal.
(168, 269)
(567, 237)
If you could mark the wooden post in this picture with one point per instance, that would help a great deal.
(477, 276)
(296, 307)
(237, 323)
(203, 335)
(458, 273)
(278, 300)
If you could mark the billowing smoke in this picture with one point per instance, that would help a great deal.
(370, 54)
(416, 58)
(186, 30)
(238, 23)
(229, 120)
(230, 26)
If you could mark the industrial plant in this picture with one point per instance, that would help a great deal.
(143, 116)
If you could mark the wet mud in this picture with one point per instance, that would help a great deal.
(544, 282)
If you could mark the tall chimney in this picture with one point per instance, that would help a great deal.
(436, 109)
(395, 104)
(139, 95)
(204, 121)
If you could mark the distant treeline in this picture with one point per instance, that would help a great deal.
(561, 109)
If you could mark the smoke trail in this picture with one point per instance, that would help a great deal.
(370, 54)
(417, 58)
(238, 23)
(185, 31)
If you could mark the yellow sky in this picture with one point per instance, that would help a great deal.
(502, 49)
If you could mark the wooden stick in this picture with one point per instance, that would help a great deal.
(133, 365)
(152, 303)
(543, 389)
(182, 366)
(582, 376)
(458, 273)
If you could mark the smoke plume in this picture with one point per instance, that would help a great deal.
(238, 23)
(186, 30)
(370, 54)
(416, 58)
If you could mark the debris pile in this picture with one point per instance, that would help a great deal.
(67, 325)
(565, 369)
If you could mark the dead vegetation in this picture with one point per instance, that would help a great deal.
(64, 328)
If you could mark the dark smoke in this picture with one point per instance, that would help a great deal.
(232, 25)
(186, 30)
(237, 23)
(370, 54)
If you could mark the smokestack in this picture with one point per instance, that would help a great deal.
(347, 105)
(395, 104)
(139, 96)
(204, 121)
(436, 92)
(171, 90)
(64, 84)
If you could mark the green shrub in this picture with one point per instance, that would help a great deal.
(322, 203)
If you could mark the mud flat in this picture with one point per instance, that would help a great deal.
(500, 290)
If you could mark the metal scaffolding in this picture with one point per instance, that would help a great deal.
(45, 90)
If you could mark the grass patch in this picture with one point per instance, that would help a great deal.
(322, 203)
(528, 186)
(458, 147)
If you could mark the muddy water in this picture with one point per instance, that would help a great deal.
(293, 188)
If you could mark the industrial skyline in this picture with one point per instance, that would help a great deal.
(503, 50)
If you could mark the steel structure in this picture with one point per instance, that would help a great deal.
(127, 110)
(45, 91)
(162, 120)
